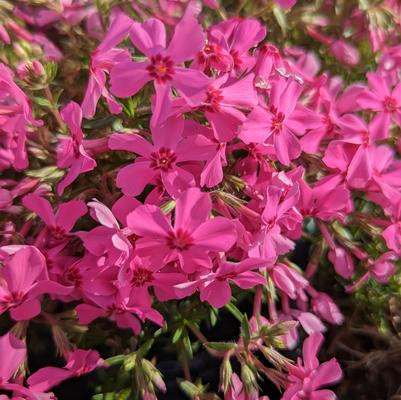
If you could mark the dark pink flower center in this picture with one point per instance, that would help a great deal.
(12, 299)
(180, 240)
(270, 50)
(277, 122)
(73, 276)
(140, 276)
(329, 124)
(57, 233)
(236, 58)
(164, 159)
(75, 147)
(83, 370)
(210, 53)
(132, 239)
(213, 99)
(390, 104)
(161, 68)
(365, 137)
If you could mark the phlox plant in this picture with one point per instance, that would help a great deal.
(162, 163)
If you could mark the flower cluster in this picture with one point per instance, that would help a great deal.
(197, 158)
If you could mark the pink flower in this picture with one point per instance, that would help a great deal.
(237, 36)
(342, 261)
(158, 160)
(79, 362)
(15, 119)
(120, 306)
(280, 122)
(13, 352)
(236, 391)
(345, 52)
(102, 60)
(270, 241)
(191, 240)
(291, 282)
(285, 3)
(58, 224)
(324, 307)
(163, 65)
(385, 102)
(22, 280)
(70, 152)
(222, 103)
(308, 377)
(110, 240)
(214, 287)
(392, 234)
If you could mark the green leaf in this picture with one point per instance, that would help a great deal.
(214, 313)
(143, 350)
(100, 122)
(234, 311)
(221, 346)
(177, 335)
(42, 101)
(116, 360)
(187, 344)
(189, 388)
(245, 330)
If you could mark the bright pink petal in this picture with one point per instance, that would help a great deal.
(328, 373)
(127, 78)
(217, 234)
(311, 347)
(130, 142)
(191, 84)
(217, 293)
(39, 206)
(241, 94)
(133, 178)
(149, 221)
(88, 313)
(48, 377)
(12, 352)
(149, 37)
(193, 208)
(26, 311)
(68, 213)
(180, 48)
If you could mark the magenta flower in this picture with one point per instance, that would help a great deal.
(191, 240)
(158, 160)
(15, 119)
(270, 241)
(70, 152)
(110, 240)
(119, 306)
(392, 234)
(308, 377)
(79, 362)
(385, 102)
(237, 36)
(163, 65)
(58, 224)
(223, 101)
(214, 287)
(102, 60)
(22, 280)
(280, 122)
(13, 352)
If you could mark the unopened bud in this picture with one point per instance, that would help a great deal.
(248, 378)
(226, 373)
